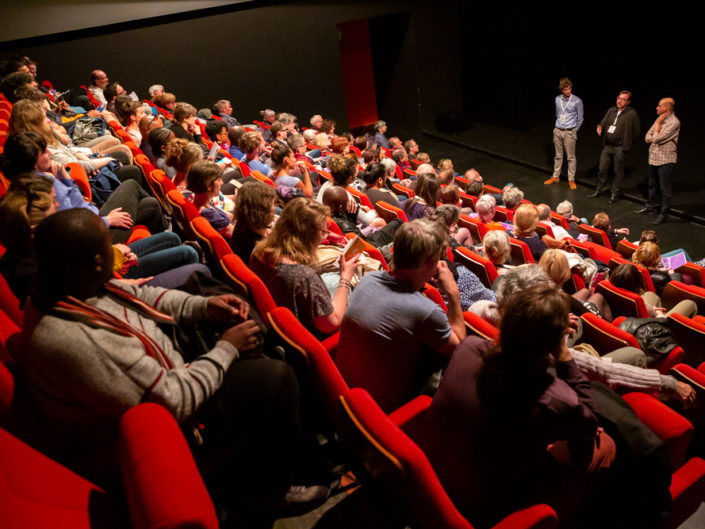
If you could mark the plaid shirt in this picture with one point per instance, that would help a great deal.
(664, 144)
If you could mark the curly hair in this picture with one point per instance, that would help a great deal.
(342, 169)
(182, 154)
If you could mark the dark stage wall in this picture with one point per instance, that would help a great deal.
(283, 56)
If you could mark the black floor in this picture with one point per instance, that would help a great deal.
(526, 159)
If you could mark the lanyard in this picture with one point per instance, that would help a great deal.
(564, 104)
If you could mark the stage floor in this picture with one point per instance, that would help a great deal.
(526, 159)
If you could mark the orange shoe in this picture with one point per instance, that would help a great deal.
(572, 185)
(551, 181)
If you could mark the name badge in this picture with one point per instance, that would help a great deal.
(561, 118)
(611, 129)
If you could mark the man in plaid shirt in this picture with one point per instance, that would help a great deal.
(663, 140)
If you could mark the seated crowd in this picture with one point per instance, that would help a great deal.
(123, 304)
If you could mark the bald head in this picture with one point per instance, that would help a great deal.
(665, 106)
(74, 254)
(544, 211)
(473, 175)
(336, 198)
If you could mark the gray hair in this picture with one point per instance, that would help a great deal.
(565, 208)
(425, 169)
(380, 124)
(315, 118)
(267, 112)
(220, 105)
(520, 278)
(389, 166)
(512, 196)
(286, 118)
(309, 134)
(544, 211)
(485, 207)
(295, 141)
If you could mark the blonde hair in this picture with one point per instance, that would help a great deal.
(445, 163)
(321, 140)
(496, 244)
(648, 255)
(526, 217)
(556, 266)
(295, 235)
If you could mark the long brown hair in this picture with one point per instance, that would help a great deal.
(295, 235)
(28, 116)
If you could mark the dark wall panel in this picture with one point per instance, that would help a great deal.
(283, 56)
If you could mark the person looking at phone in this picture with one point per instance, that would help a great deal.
(390, 330)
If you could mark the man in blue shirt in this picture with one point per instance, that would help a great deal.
(569, 118)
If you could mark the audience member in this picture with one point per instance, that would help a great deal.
(379, 138)
(375, 177)
(128, 355)
(253, 217)
(628, 277)
(525, 220)
(390, 326)
(497, 411)
(99, 80)
(185, 126)
(224, 110)
(285, 259)
(284, 163)
(204, 180)
(544, 212)
(601, 221)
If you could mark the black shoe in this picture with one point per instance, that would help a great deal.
(613, 199)
(595, 194)
(645, 211)
(660, 219)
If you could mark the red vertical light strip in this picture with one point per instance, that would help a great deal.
(358, 74)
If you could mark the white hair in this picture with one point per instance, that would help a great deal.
(565, 208)
(389, 166)
(485, 207)
(154, 88)
(314, 119)
(497, 243)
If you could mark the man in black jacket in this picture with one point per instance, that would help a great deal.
(618, 129)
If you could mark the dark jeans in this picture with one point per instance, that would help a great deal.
(611, 156)
(142, 208)
(660, 184)
(159, 253)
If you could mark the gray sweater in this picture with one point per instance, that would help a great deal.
(85, 378)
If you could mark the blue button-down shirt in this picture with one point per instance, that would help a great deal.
(69, 196)
(572, 109)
